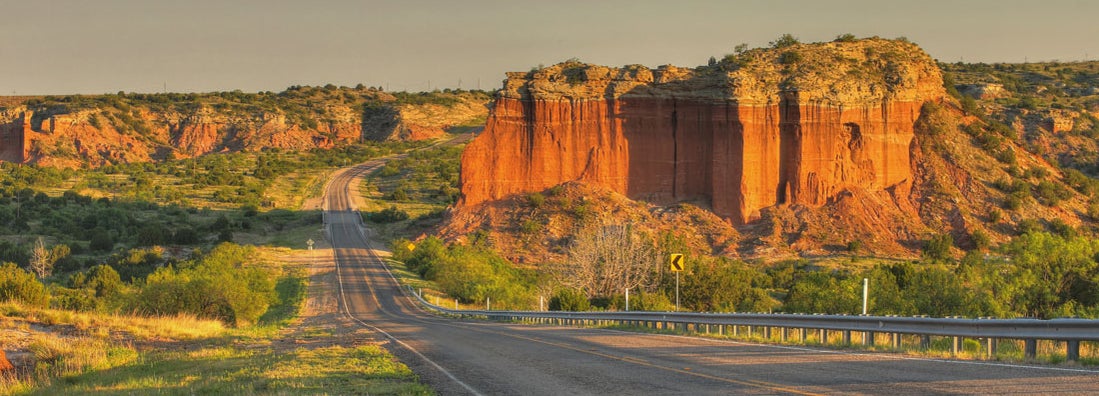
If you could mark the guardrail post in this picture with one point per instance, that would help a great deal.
(868, 338)
(822, 336)
(785, 333)
(990, 348)
(1072, 350)
(721, 330)
(847, 337)
(955, 345)
(750, 332)
(767, 333)
(1030, 348)
(736, 331)
(897, 341)
(804, 334)
(925, 341)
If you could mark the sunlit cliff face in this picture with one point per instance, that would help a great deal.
(757, 129)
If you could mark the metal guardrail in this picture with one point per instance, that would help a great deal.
(1071, 331)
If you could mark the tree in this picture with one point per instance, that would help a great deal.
(845, 38)
(608, 259)
(101, 241)
(19, 285)
(569, 300)
(938, 247)
(785, 40)
(41, 262)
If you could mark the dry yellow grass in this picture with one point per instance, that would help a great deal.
(180, 327)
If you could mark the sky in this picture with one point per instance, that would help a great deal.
(106, 46)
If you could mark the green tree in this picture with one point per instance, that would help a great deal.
(784, 41)
(722, 285)
(220, 285)
(845, 38)
(21, 286)
(569, 300)
(938, 247)
(823, 292)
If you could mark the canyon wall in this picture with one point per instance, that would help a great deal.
(14, 132)
(78, 131)
(793, 125)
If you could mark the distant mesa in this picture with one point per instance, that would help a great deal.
(90, 131)
(793, 125)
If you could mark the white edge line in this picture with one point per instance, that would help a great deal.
(892, 356)
(347, 311)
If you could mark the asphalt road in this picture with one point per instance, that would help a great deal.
(469, 357)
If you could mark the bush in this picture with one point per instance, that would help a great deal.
(536, 200)
(388, 215)
(569, 300)
(218, 286)
(784, 41)
(101, 241)
(21, 286)
(399, 194)
(789, 57)
(938, 247)
(981, 240)
(845, 38)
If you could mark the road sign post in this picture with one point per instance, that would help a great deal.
(676, 264)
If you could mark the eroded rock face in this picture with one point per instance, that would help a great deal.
(97, 135)
(762, 129)
(14, 130)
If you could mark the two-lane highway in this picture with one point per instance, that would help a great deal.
(468, 357)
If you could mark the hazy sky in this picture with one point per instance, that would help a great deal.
(106, 46)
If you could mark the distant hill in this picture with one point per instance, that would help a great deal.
(95, 130)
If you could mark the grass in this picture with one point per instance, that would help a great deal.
(366, 369)
(180, 327)
(187, 355)
(292, 190)
(425, 178)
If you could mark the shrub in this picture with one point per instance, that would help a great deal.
(938, 247)
(218, 286)
(101, 241)
(784, 41)
(536, 200)
(399, 194)
(21, 286)
(981, 240)
(789, 57)
(845, 38)
(388, 215)
(569, 300)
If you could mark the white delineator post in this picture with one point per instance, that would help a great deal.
(865, 293)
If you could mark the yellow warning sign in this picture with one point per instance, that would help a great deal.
(675, 262)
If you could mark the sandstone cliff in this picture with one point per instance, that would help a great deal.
(793, 125)
(79, 131)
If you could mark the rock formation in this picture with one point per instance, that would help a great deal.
(14, 131)
(5, 365)
(792, 125)
(101, 130)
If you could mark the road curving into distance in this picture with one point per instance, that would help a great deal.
(488, 358)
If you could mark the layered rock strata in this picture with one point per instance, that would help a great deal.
(794, 125)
